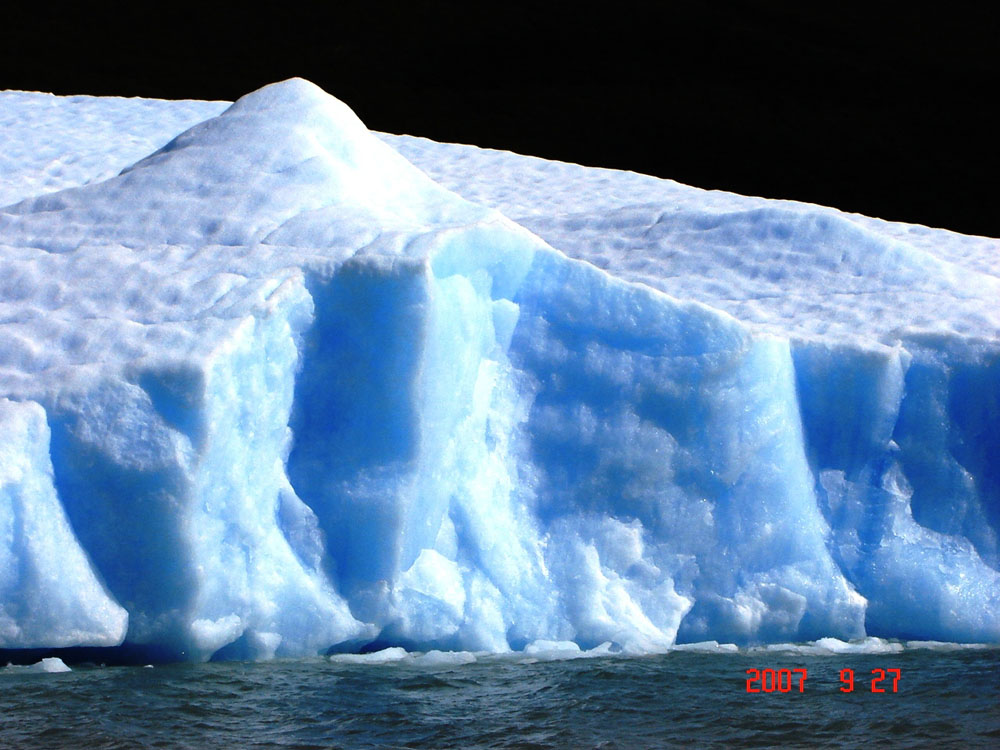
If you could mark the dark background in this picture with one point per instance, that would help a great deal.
(885, 112)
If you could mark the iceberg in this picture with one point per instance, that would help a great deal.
(273, 385)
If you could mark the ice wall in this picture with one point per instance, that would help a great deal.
(302, 397)
(49, 595)
(893, 332)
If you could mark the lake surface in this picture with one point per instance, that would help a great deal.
(680, 699)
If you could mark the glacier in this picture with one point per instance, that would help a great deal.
(272, 384)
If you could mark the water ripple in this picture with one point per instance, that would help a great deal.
(680, 699)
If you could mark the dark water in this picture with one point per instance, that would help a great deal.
(944, 699)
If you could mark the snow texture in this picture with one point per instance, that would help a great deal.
(272, 384)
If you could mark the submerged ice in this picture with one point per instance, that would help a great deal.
(273, 390)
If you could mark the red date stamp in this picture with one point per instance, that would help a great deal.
(787, 680)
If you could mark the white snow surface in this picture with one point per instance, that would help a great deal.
(271, 383)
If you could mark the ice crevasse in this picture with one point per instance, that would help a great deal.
(277, 384)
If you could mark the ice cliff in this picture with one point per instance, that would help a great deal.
(277, 387)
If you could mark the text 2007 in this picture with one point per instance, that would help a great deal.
(787, 680)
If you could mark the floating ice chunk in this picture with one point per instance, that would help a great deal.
(49, 665)
(867, 646)
(52, 664)
(710, 647)
(385, 656)
(445, 658)
(822, 646)
(942, 646)
(550, 647)
(542, 650)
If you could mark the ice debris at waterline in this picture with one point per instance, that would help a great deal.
(278, 388)
(50, 665)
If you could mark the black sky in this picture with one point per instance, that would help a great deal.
(888, 113)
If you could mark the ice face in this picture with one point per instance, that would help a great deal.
(273, 389)
(49, 595)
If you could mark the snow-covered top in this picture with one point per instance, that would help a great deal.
(789, 267)
(290, 166)
(49, 143)
(280, 166)
(166, 256)
(527, 189)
